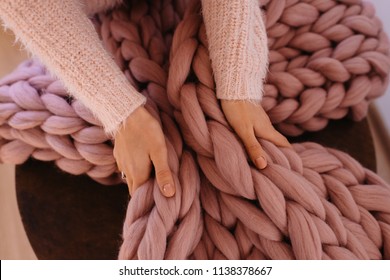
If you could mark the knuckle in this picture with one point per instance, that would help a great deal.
(254, 147)
(254, 150)
(244, 131)
(160, 143)
(161, 147)
(159, 153)
(163, 174)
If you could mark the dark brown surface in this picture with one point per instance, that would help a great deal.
(73, 217)
(69, 217)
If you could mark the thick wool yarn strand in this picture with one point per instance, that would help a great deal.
(309, 203)
(327, 59)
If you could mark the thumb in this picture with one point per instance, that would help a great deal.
(254, 150)
(163, 173)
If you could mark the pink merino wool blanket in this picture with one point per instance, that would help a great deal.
(310, 203)
(307, 85)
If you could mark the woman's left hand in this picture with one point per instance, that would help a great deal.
(250, 121)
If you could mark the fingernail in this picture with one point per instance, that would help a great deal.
(168, 190)
(261, 162)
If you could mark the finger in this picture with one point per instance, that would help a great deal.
(129, 182)
(254, 149)
(273, 136)
(163, 173)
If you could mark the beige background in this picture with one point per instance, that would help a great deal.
(13, 241)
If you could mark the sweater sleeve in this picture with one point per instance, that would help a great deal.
(60, 34)
(238, 48)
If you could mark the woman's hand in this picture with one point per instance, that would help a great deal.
(139, 143)
(250, 121)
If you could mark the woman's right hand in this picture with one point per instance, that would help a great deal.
(139, 144)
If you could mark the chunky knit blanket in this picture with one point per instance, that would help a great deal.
(328, 59)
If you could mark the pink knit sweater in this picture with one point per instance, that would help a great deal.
(60, 34)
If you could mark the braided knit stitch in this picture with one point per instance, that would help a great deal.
(309, 203)
(328, 59)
